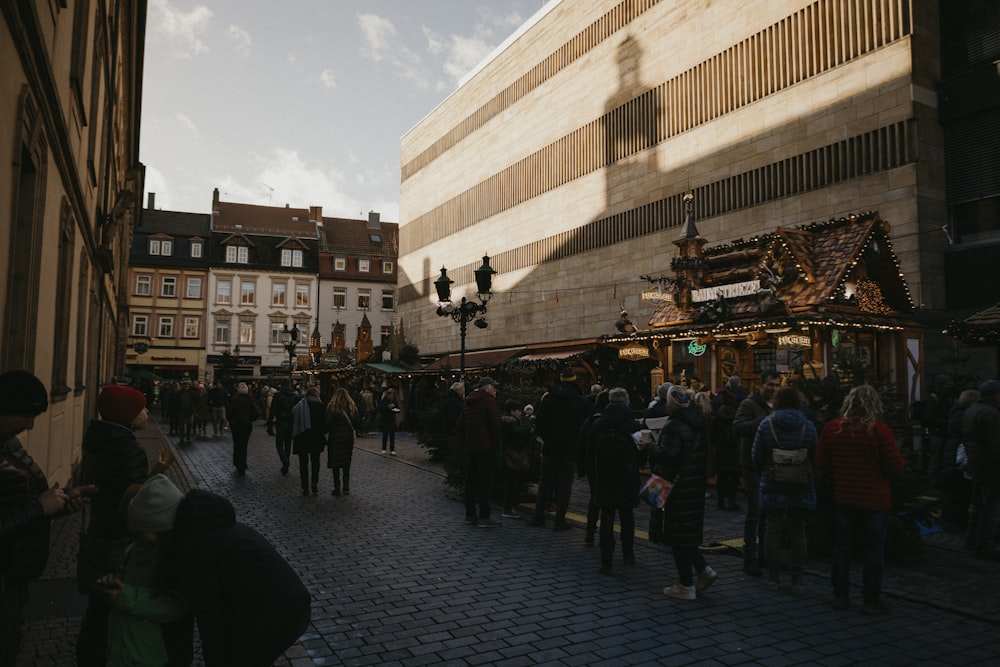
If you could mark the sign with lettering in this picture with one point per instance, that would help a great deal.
(748, 288)
(657, 296)
(794, 340)
(695, 349)
(633, 352)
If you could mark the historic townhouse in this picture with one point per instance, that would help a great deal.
(168, 283)
(566, 155)
(263, 279)
(70, 181)
(357, 282)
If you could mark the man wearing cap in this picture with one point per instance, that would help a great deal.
(479, 430)
(981, 435)
(113, 461)
(27, 505)
(560, 415)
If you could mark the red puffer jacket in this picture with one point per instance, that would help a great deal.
(860, 464)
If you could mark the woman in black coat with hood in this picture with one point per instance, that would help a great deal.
(681, 454)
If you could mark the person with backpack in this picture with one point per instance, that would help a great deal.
(783, 452)
(615, 437)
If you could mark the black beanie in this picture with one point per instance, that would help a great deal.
(21, 393)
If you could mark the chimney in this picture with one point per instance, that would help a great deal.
(316, 214)
(215, 200)
(152, 201)
(373, 220)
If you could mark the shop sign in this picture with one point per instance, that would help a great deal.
(657, 296)
(748, 288)
(695, 349)
(633, 352)
(794, 340)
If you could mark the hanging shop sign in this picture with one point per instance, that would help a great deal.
(794, 340)
(633, 352)
(748, 288)
(657, 296)
(695, 349)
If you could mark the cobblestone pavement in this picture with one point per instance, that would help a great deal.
(398, 578)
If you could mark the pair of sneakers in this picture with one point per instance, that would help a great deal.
(704, 579)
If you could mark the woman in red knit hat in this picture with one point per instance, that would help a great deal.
(858, 453)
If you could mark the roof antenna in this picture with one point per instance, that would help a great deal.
(270, 191)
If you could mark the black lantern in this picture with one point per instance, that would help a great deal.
(466, 311)
(484, 279)
(443, 286)
(290, 338)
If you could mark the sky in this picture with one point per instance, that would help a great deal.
(301, 102)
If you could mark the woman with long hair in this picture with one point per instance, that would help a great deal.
(858, 454)
(341, 424)
(241, 414)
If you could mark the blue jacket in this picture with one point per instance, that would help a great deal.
(788, 425)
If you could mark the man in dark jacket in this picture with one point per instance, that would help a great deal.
(218, 397)
(749, 416)
(27, 505)
(249, 603)
(281, 418)
(184, 405)
(454, 401)
(479, 427)
(981, 435)
(560, 415)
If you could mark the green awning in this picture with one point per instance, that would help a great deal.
(389, 369)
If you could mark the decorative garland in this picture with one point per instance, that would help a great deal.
(973, 334)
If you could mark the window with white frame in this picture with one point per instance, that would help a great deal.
(196, 249)
(291, 257)
(224, 291)
(278, 294)
(276, 330)
(339, 263)
(297, 258)
(140, 325)
(302, 295)
(388, 299)
(154, 246)
(246, 332)
(364, 265)
(386, 266)
(194, 288)
(222, 332)
(143, 285)
(169, 286)
(364, 299)
(230, 254)
(340, 297)
(166, 327)
(237, 254)
(190, 327)
(166, 248)
(248, 289)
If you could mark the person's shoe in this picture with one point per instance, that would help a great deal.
(471, 520)
(751, 568)
(704, 579)
(347, 491)
(335, 492)
(305, 492)
(876, 608)
(488, 522)
(680, 592)
(510, 515)
(383, 452)
(537, 521)
(840, 603)
(315, 490)
(605, 570)
(774, 585)
(393, 452)
(561, 525)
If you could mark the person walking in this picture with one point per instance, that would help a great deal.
(281, 418)
(786, 438)
(184, 405)
(388, 409)
(309, 438)
(514, 436)
(681, 454)
(560, 415)
(858, 454)
(342, 423)
(241, 414)
(586, 465)
(479, 430)
(981, 436)
(727, 446)
(217, 400)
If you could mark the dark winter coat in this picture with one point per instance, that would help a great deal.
(313, 439)
(479, 423)
(24, 528)
(217, 397)
(746, 421)
(859, 463)
(952, 439)
(183, 402)
(616, 457)
(242, 410)
(981, 435)
(558, 419)
(249, 603)
(388, 408)
(788, 424)
(514, 433)
(282, 404)
(452, 407)
(585, 447)
(681, 453)
(113, 460)
(341, 429)
(725, 442)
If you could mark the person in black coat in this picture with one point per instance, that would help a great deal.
(342, 423)
(388, 408)
(309, 437)
(681, 454)
(249, 603)
(241, 414)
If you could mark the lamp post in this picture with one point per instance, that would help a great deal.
(290, 338)
(230, 362)
(466, 311)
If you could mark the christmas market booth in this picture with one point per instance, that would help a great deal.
(820, 301)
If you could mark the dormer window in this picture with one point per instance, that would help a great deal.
(154, 246)
(364, 265)
(291, 258)
(375, 238)
(386, 266)
(237, 254)
(339, 263)
(162, 247)
(196, 249)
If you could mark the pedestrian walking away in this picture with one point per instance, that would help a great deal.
(388, 410)
(309, 438)
(479, 430)
(342, 422)
(241, 413)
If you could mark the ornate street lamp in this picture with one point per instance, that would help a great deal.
(466, 311)
(230, 362)
(290, 338)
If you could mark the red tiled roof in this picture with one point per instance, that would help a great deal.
(268, 220)
(355, 237)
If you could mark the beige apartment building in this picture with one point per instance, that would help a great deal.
(566, 154)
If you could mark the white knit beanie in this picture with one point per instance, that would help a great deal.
(155, 505)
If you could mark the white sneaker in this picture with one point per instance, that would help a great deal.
(393, 452)
(383, 452)
(510, 515)
(705, 579)
(680, 592)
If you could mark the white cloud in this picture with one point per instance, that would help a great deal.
(435, 44)
(185, 121)
(464, 54)
(241, 40)
(184, 30)
(328, 78)
(380, 44)
(378, 33)
(296, 183)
